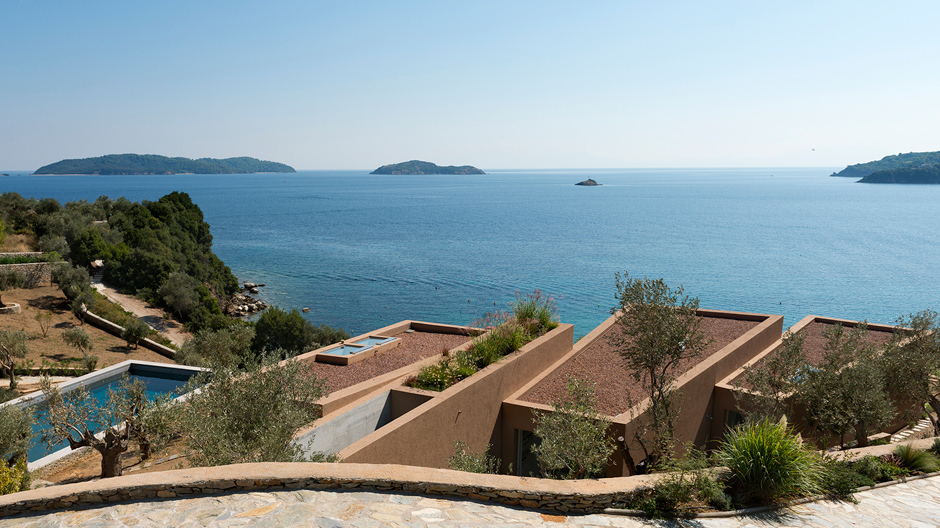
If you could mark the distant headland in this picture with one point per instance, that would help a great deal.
(424, 167)
(913, 167)
(588, 183)
(133, 164)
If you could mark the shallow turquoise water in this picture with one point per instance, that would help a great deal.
(364, 251)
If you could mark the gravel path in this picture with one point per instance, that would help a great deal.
(148, 314)
(907, 505)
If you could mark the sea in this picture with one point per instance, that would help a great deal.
(362, 251)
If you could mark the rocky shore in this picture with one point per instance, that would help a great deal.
(244, 304)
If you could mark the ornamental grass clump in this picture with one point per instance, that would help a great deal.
(769, 463)
(916, 460)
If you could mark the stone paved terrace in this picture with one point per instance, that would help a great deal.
(911, 504)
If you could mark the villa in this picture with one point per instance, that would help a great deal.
(372, 416)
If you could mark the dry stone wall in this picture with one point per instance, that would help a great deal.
(36, 274)
(558, 496)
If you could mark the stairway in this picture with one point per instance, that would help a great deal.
(910, 433)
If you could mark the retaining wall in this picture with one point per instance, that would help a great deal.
(116, 329)
(580, 496)
(36, 274)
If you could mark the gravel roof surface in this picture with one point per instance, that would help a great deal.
(414, 347)
(814, 343)
(601, 364)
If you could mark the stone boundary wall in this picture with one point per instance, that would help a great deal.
(580, 496)
(36, 273)
(22, 254)
(115, 329)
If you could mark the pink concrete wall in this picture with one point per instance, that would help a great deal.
(469, 411)
(697, 385)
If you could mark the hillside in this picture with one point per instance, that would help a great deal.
(909, 160)
(424, 167)
(154, 164)
(922, 174)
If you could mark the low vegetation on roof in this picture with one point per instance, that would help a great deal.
(532, 316)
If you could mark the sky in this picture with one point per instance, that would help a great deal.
(495, 84)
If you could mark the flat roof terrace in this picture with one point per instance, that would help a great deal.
(600, 364)
(415, 346)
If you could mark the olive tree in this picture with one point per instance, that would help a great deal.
(250, 415)
(769, 386)
(135, 330)
(573, 437)
(79, 339)
(16, 432)
(78, 417)
(179, 293)
(847, 390)
(913, 355)
(10, 279)
(13, 345)
(230, 347)
(658, 332)
(72, 280)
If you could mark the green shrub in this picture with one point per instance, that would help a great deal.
(19, 259)
(841, 478)
(89, 363)
(878, 469)
(532, 316)
(916, 460)
(688, 484)
(464, 459)
(769, 463)
(14, 478)
(935, 448)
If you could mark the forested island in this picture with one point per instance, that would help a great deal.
(134, 164)
(911, 160)
(922, 174)
(424, 167)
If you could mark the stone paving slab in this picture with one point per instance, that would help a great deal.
(914, 504)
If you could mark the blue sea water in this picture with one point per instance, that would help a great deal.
(363, 251)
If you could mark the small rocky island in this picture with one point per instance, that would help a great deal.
(588, 183)
(913, 167)
(145, 164)
(424, 167)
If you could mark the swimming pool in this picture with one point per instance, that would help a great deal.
(159, 379)
(351, 352)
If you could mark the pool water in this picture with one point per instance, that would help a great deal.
(158, 380)
(358, 346)
(370, 341)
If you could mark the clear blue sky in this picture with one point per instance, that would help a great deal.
(353, 85)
